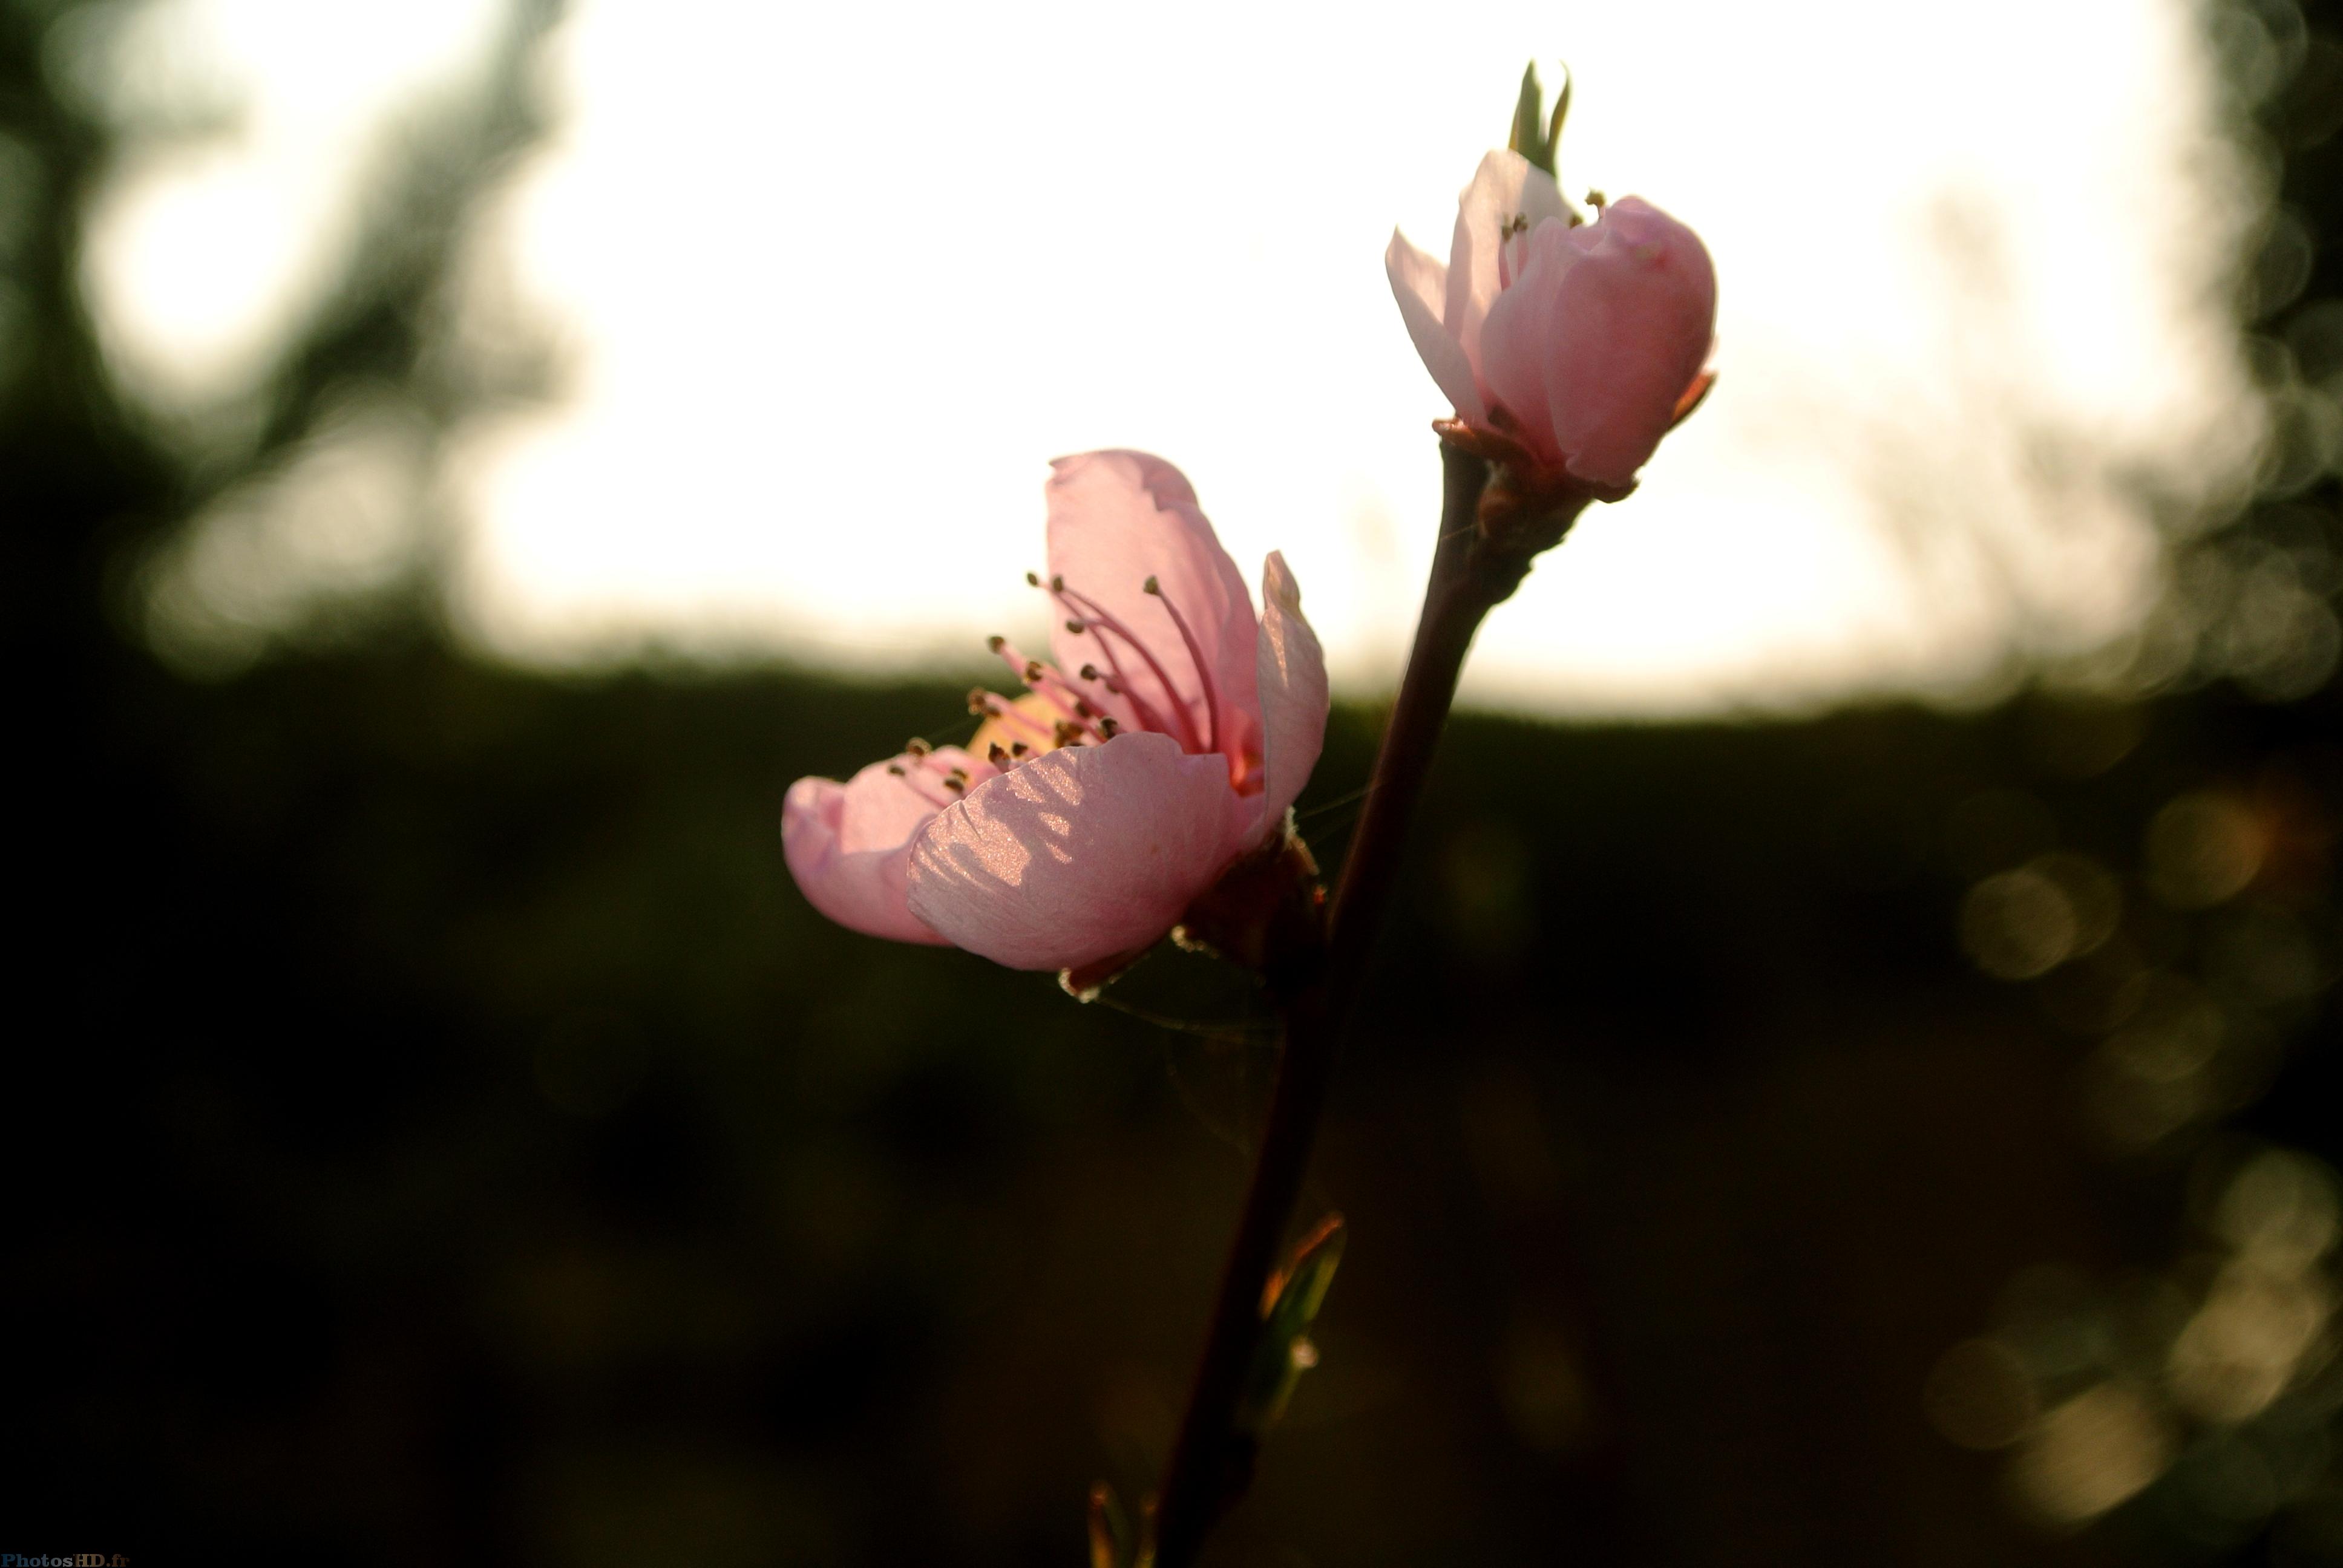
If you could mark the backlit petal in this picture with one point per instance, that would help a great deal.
(1083, 854)
(1293, 689)
(1632, 325)
(1420, 284)
(849, 846)
(1118, 518)
(1507, 186)
(1514, 353)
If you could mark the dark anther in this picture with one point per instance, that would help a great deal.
(998, 754)
(1032, 579)
(1151, 586)
(896, 769)
(955, 784)
(1057, 584)
(1017, 749)
(1032, 670)
(1075, 627)
(1109, 729)
(1089, 672)
(996, 642)
(1085, 709)
(916, 747)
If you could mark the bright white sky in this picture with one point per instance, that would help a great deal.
(834, 283)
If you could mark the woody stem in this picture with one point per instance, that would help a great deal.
(1212, 1461)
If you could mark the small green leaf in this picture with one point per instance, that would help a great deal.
(1537, 135)
(1530, 137)
(1111, 1542)
(1553, 125)
(1289, 1304)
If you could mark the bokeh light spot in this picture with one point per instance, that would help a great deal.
(2281, 1210)
(2096, 1451)
(2019, 924)
(2203, 848)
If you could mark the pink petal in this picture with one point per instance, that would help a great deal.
(1514, 342)
(1632, 325)
(1633, 219)
(1420, 286)
(1505, 187)
(1118, 518)
(1078, 855)
(1293, 697)
(849, 846)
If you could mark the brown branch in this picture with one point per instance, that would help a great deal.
(1212, 1461)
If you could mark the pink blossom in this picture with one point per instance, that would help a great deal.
(1575, 344)
(1162, 741)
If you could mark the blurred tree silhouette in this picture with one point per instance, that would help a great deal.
(447, 1137)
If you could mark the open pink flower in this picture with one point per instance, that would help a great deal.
(1579, 345)
(1163, 742)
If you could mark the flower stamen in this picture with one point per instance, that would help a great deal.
(914, 778)
(1195, 657)
(1514, 226)
(1100, 623)
(1044, 681)
(1147, 717)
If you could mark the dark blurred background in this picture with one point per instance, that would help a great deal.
(443, 1134)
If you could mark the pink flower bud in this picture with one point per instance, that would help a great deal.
(1577, 348)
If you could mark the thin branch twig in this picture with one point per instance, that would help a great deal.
(1212, 1461)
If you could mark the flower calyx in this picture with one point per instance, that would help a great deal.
(1527, 507)
(1267, 913)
